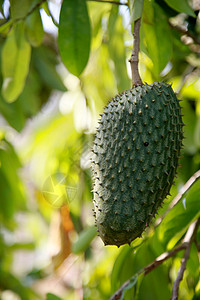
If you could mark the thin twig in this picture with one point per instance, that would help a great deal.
(189, 238)
(109, 1)
(136, 80)
(185, 32)
(164, 256)
(179, 196)
(117, 295)
(192, 230)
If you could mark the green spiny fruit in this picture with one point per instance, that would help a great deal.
(135, 157)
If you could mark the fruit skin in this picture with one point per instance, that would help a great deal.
(135, 157)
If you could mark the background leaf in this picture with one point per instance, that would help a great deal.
(74, 35)
(135, 9)
(45, 63)
(181, 6)
(117, 50)
(48, 131)
(158, 47)
(11, 189)
(52, 297)
(20, 8)
(34, 29)
(84, 240)
(180, 216)
(16, 55)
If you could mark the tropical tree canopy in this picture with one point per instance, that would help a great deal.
(60, 64)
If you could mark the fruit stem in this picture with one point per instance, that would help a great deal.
(136, 79)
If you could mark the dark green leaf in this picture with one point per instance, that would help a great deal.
(117, 49)
(84, 240)
(116, 271)
(136, 7)
(11, 282)
(181, 6)
(52, 297)
(151, 285)
(193, 267)
(20, 8)
(158, 45)
(9, 111)
(11, 189)
(175, 222)
(190, 120)
(44, 60)
(129, 262)
(139, 282)
(74, 35)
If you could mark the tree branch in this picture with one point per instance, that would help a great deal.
(189, 238)
(117, 295)
(178, 197)
(136, 80)
(186, 244)
(185, 32)
(164, 256)
(109, 1)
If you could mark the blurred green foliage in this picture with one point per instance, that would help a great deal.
(48, 115)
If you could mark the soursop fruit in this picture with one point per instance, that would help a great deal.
(135, 157)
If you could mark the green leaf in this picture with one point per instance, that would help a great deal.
(16, 56)
(46, 8)
(35, 91)
(11, 189)
(151, 285)
(74, 35)
(84, 240)
(136, 7)
(129, 262)
(116, 271)
(181, 6)
(158, 45)
(20, 8)
(52, 297)
(117, 49)
(34, 29)
(10, 282)
(10, 110)
(178, 219)
(20, 246)
(45, 63)
(190, 120)
(139, 282)
(193, 266)
(4, 28)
